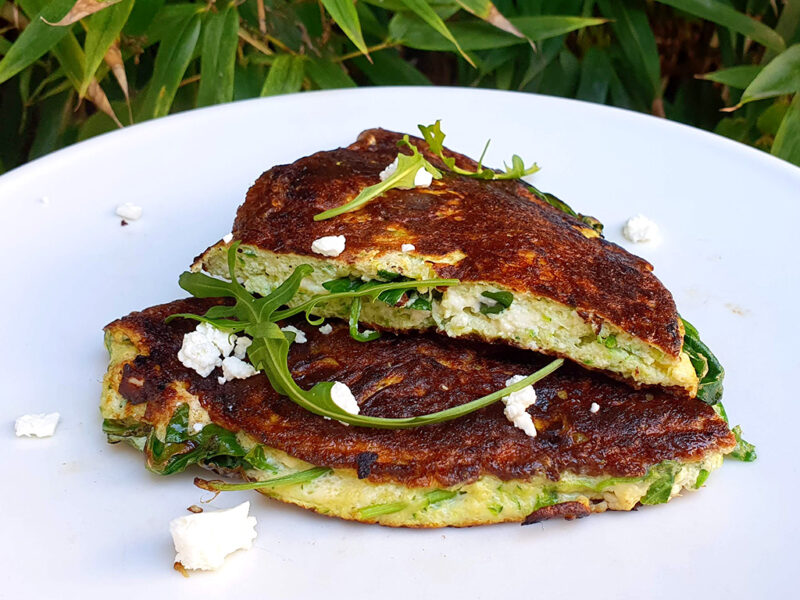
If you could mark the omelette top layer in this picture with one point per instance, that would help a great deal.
(574, 294)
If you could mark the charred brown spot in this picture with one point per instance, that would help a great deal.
(566, 510)
(365, 460)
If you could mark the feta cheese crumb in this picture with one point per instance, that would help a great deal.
(241, 346)
(223, 340)
(299, 336)
(408, 247)
(203, 540)
(236, 368)
(330, 245)
(326, 329)
(639, 229)
(198, 427)
(343, 398)
(423, 178)
(389, 170)
(198, 352)
(517, 404)
(594, 407)
(129, 211)
(39, 425)
(227, 238)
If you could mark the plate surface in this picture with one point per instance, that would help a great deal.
(81, 516)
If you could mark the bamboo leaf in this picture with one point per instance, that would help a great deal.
(103, 29)
(719, 13)
(37, 38)
(81, 9)
(218, 57)
(387, 68)
(113, 58)
(285, 75)
(423, 10)
(143, 13)
(738, 77)
(346, 16)
(479, 35)
(174, 53)
(596, 76)
(486, 10)
(637, 41)
(327, 74)
(787, 140)
(780, 76)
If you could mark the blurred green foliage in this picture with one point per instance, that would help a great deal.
(71, 70)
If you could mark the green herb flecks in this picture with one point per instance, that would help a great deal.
(434, 137)
(502, 300)
(377, 510)
(258, 318)
(415, 299)
(709, 370)
(403, 178)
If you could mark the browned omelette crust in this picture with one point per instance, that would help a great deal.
(401, 376)
(507, 234)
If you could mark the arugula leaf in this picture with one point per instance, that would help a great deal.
(355, 311)
(403, 178)
(434, 137)
(503, 301)
(293, 479)
(269, 351)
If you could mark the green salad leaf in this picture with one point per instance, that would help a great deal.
(708, 368)
(258, 318)
(744, 450)
(502, 300)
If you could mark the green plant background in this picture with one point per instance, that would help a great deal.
(71, 70)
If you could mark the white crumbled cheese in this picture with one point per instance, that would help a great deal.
(241, 346)
(223, 340)
(330, 245)
(203, 540)
(594, 407)
(517, 404)
(236, 368)
(641, 229)
(198, 427)
(389, 170)
(207, 348)
(408, 247)
(129, 211)
(221, 380)
(423, 178)
(299, 336)
(227, 238)
(198, 352)
(40, 425)
(326, 329)
(343, 398)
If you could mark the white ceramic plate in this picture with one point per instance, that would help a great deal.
(84, 519)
